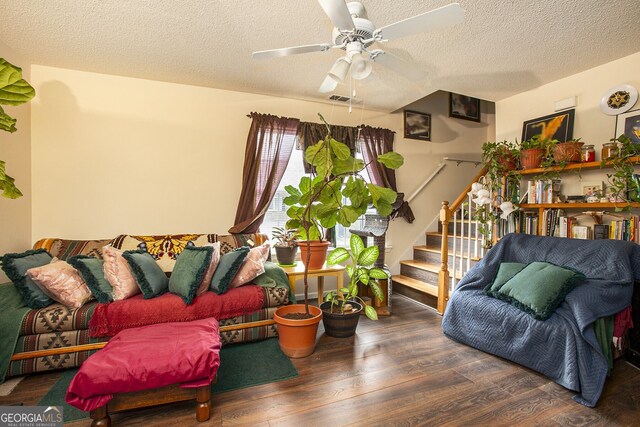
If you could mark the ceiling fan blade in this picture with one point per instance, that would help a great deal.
(328, 85)
(338, 13)
(285, 51)
(437, 18)
(396, 64)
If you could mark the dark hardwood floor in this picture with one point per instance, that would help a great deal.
(400, 370)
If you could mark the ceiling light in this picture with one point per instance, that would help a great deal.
(340, 69)
(360, 67)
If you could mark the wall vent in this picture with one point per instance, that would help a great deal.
(342, 98)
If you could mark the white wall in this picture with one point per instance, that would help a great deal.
(15, 150)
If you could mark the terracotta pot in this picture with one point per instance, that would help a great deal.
(337, 324)
(531, 158)
(318, 253)
(570, 152)
(297, 336)
(509, 161)
(286, 254)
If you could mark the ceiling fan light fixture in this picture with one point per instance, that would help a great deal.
(360, 67)
(340, 69)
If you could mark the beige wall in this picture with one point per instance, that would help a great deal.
(122, 155)
(15, 149)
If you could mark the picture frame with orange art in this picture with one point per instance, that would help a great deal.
(558, 126)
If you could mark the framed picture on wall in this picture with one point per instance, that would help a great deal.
(464, 107)
(629, 124)
(417, 125)
(554, 126)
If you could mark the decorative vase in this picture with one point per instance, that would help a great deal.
(337, 324)
(569, 152)
(297, 337)
(318, 249)
(286, 254)
(531, 158)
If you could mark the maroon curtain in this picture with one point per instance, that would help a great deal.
(269, 145)
(310, 133)
(376, 141)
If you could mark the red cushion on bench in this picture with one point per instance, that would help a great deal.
(148, 357)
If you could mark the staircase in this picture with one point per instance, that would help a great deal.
(418, 278)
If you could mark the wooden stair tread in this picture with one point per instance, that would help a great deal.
(438, 234)
(419, 285)
(433, 249)
(426, 266)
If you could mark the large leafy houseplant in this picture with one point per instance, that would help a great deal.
(622, 185)
(361, 270)
(14, 90)
(335, 192)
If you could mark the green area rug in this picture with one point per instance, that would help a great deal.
(241, 365)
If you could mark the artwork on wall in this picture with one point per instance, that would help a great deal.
(629, 124)
(417, 125)
(464, 107)
(557, 126)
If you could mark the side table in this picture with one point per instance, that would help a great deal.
(297, 273)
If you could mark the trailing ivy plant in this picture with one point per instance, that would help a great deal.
(14, 90)
(361, 270)
(621, 182)
(335, 192)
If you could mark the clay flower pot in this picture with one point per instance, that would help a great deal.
(337, 324)
(297, 337)
(569, 152)
(318, 251)
(531, 158)
(509, 162)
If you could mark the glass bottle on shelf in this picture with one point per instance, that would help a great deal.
(588, 153)
(609, 150)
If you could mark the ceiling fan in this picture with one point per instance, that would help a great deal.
(354, 33)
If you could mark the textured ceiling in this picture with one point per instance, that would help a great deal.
(504, 47)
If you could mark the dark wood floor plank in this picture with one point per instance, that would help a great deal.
(400, 370)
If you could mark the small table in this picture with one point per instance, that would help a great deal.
(297, 273)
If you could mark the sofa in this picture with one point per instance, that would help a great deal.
(556, 332)
(59, 337)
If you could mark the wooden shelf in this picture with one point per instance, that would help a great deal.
(597, 205)
(570, 167)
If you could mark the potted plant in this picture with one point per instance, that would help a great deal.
(500, 157)
(286, 245)
(342, 307)
(567, 152)
(334, 193)
(14, 90)
(533, 152)
(623, 186)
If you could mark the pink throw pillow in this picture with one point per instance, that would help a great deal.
(61, 282)
(252, 266)
(206, 280)
(118, 274)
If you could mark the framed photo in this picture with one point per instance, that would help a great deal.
(629, 124)
(417, 125)
(464, 107)
(592, 189)
(554, 126)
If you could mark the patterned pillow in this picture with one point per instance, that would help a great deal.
(252, 266)
(206, 280)
(118, 274)
(151, 280)
(92, 271)
(15, 266)
(65, 249)
(62, 283)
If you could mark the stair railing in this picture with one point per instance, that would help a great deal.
(461, 209)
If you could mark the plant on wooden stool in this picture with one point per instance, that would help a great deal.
(361, 270)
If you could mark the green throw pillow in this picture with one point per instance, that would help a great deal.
(91, 270)
(229, 265)
(191, 266)
(539, 288)
(150, 278)
(505, 272)
(15, 266)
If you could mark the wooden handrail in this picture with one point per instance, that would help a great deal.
(463, 196)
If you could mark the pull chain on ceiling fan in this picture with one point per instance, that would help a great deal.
(354, 34)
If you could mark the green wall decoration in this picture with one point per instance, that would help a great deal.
(14, 90)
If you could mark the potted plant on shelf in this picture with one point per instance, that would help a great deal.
(334, 193)
(342, 307)
(623, 185)
(286, 245)
(567, 152)
(533, 152)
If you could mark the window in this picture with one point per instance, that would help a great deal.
(276, 215)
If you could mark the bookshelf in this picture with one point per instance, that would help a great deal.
(539, 209)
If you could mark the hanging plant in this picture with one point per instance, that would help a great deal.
(622, 184)
(14, 90)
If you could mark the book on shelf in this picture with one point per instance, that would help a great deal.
(581, 232)
(600, 231)
(543, 191)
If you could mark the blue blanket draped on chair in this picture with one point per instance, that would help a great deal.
(564, 347)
